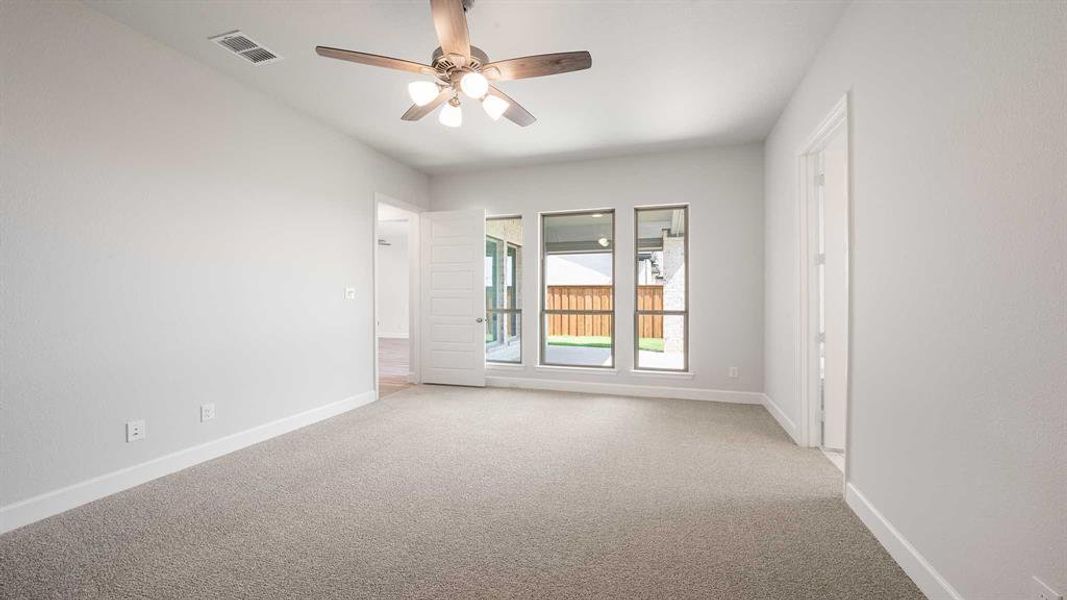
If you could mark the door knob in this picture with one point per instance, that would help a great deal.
(479, 319)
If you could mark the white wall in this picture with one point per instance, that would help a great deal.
(724, 187)
(169, 238)
(394, 289)
(959, 358)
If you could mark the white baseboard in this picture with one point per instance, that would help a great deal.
(623, 389)
(51, 503)
(920, 570)
(783, 420)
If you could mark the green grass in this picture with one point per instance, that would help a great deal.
(598, 341)
(651, 344)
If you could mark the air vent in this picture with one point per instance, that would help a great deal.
(245, 47)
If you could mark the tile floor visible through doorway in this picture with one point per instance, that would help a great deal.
(393, 365)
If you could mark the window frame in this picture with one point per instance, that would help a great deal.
(543, 285)
(505, 245)
(639, 313)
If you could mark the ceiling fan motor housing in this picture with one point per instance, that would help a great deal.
(442, 62)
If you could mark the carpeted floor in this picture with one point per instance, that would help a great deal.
(439, 492)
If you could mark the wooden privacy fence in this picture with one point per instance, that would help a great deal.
(598, 297)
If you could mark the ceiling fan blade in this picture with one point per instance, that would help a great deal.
(537, 66)
(451, 24)
(374, 60)
(515, 112)
(417, 112)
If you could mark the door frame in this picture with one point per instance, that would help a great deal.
(808, 157)
(413, 283)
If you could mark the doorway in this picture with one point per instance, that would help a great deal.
(395, 285)
(825, 285)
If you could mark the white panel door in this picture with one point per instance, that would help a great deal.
(452, 341)
(835, 290)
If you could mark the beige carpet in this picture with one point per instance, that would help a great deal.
(456, 493)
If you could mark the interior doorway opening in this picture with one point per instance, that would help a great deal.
(395, 289)
(832, 275)
(825, 238)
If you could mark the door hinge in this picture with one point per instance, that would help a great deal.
(820, 179)
(820, 258)
(821, 337)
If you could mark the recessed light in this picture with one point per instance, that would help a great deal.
(603, 242)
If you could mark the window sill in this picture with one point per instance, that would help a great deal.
(494, 366)
(576, 369)
(663, 374)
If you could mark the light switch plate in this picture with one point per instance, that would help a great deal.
(135, 431)
(350, 293)
(207, 412)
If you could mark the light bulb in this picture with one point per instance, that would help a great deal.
(451, 116)
(495, 106)
(422, 92)
(474, 84)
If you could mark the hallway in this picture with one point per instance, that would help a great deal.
(393, 367)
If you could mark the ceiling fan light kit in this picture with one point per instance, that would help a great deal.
(457, 67)
(423, 92)
(451, 115)
(495, 107)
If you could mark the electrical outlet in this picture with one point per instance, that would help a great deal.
(207, 412)
(733, 373)
(1043, 592)
(135, 431)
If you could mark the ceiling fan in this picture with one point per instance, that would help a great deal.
(456, 67)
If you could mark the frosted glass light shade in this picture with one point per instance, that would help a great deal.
(422, 92)
(450, 116)
(474, 85)
(495, 106)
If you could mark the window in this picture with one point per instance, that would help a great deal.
(503, 297)
(578, 289)
(661, 318)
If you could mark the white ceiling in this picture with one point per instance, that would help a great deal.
(666, 74)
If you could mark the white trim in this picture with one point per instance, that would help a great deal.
(576, 369)
(925, 576)
(395, 203)
(806, 350)
(54, 502)
(503, 367)
(837, 459)
(783, 419)
(822, 134)
(652, 373)
(622, 389)
(394, 335)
